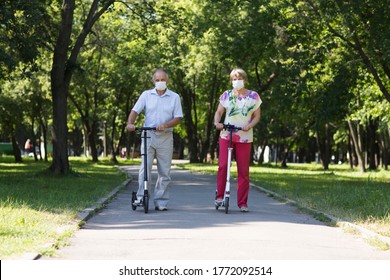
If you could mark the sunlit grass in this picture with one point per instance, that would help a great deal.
(24, 229)
(37, 208)
(360, 198)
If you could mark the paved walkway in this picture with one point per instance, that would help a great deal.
(193, 229)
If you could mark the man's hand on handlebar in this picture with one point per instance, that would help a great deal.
(130, 127)
(161, 127)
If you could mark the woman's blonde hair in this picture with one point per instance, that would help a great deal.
(238, 72)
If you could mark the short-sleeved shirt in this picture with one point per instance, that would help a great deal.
(158, 109)
(239, 112)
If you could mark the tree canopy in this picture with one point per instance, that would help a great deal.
(320, 67)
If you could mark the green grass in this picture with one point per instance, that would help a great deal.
(38, 208)
(352, 196)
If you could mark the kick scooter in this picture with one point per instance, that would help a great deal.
(145, 199)
(226, 196)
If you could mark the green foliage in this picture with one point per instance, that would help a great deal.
(316, 64)
(301, 56)
(23, 29)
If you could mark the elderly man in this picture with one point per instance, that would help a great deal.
(162, 109)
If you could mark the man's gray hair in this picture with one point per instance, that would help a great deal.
(160, 70)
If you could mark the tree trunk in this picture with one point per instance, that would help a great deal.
(214, 145)
(260, 158)
(33, 139)
(351, 151)
(285, 155)
(112, 143)
(384, 145)
(190, 127)
(323, 143)
(16, 149)
(370, 66)
(92, 142)
(123, 139)
(205, 148)
(356, 138)
(60, 162)
(384, 154)
(59, 90)
(182, 147)
(39, 142)
(327, 145)
(387, 147)
(372, 144)
(61, 75)
(44, 134)
(212, 102)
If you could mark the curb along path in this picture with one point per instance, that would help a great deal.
(193, 229)
(365, 233)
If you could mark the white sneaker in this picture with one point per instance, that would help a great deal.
(137, 202)
(244, 209)
(218, 202)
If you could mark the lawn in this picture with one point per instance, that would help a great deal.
(352, 196)
(38, 208)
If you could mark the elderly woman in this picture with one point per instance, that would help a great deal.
(242, 107)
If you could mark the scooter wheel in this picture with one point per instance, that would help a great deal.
(146, 203)
(226, 205)
(133, 198)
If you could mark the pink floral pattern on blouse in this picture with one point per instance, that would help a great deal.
(239, 112)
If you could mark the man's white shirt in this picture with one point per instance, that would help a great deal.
(158, 109)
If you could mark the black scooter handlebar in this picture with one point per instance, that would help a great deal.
(142, 128)
(231, 127)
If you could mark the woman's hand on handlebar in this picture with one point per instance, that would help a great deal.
(218, 126)
(245, 128)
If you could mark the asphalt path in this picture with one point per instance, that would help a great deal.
(192, 229)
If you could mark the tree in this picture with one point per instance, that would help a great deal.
(112, 64)
(308, 59)
(363, 26)
(23, 29)
(64, 64)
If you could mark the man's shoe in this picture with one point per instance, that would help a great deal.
(244, 209)
(137, 202)
(161, 208)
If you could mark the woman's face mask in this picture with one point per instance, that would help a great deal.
(238, 84)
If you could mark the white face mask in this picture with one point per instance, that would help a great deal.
(238, 84)
(162, 85)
